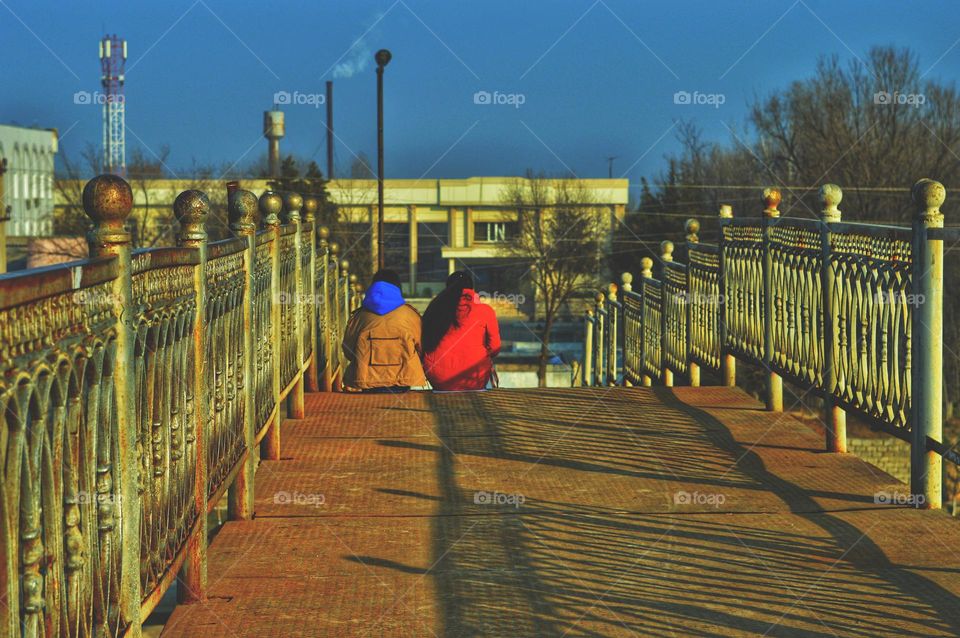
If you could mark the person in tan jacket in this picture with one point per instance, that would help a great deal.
(382, 340)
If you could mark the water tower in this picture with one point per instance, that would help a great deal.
(273, 130)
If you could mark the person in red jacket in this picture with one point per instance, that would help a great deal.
(460, 338)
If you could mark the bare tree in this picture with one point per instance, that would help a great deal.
(560, 231)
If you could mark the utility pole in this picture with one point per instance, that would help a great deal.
(610, 166)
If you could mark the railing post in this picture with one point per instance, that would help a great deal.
(836, 417)
(646, 272)
(612, 312)
(323, 314)
(108, 200)
(310, 243)
(666, 255)
(270, 205)
(292, 202)
(692, 226)
(771, 197)
(335, 319)
(626, 285)
(600, 364)
(345, 291)
(728, 363)
(191, 209)
(587, 371)
(242, 209)
(927, 330)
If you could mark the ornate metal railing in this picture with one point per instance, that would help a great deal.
(848, 312)
(135, 388)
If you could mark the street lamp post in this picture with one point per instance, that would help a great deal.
(383, 58)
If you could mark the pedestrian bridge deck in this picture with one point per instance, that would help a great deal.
(666, 511)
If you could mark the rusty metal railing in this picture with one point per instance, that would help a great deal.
(135, 387)
(852, 313)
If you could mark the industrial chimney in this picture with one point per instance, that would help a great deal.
(273, 130)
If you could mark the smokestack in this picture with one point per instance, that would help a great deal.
(329, 129)
(273, 130)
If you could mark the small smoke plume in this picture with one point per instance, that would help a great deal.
(360, 53)
(359, 59)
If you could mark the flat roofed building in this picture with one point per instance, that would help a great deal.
(28, 181)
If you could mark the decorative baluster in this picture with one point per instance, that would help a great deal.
(345, 291)
(600, 350)
(310, 244)
(587, 372)
(191, 209)
(324, 312)
(927, 401)
(646, 272)
(836, 430)
(242, 210)
(666, 255)
(692, 227)
(771, 198)
(612, 336)
(292, 202)
(270, 205)
(108, 200)
(629, 345)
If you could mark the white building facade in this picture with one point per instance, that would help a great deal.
(28, 181)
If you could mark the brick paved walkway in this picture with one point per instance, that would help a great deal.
(684, 512)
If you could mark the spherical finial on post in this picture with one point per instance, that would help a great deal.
(323, 234)
(242, 212)
(344, 265)
(692, 226)
(107, 200)
(600, 298)
(830, 196)
(309, 209)
(292, 202)
(627, 280)
(334, 249)
(612, 290)
(929, 195)
(771, 199)
(270, 206)
(646, 267)
(666, 250)
(726, 211)
(352, 279)
(191, 209)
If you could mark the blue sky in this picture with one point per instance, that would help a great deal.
(597, 78)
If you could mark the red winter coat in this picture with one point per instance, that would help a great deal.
(464, 358)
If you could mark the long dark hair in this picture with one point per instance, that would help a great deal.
(441, 314)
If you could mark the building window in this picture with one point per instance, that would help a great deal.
(494, 231)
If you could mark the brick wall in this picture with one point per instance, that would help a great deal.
(887, 453)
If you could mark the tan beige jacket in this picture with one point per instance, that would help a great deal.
(383, 350)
